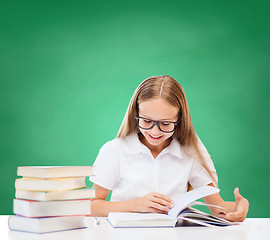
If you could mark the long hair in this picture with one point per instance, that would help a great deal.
(171, 91)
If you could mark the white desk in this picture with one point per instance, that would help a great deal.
(251, 229)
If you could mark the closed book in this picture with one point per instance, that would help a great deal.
(55, 171)
(52, 184)
(84, 193)
(28, 208)
(45, 224)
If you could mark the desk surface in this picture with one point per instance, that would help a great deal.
(251, 228)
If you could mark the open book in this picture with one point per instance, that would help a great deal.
(180, 215)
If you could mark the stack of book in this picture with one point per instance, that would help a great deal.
(51, 199)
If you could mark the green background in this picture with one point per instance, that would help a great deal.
(69, 68)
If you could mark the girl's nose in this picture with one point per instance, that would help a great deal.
(155, 130)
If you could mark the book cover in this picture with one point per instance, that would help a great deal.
(54, 171)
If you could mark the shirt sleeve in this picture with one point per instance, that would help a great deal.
(207, 158)
(198, 174)
(105, 170)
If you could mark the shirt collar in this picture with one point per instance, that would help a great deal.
(133, 145)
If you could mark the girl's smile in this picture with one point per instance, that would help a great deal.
(154, 137)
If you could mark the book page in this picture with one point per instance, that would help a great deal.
(191, 213)
(205, 204)
(127, 219)
(198, 222)
(186, 198)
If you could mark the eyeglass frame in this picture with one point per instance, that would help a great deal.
(156, 123)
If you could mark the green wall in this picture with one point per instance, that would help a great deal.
(69, 68)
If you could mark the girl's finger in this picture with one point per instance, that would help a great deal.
(157, 210)
(165, 198)
(162, 202)
(238, 196)
(233, 217)
(159, 207)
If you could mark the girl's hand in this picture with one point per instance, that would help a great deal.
(240, 214)
(153, 202)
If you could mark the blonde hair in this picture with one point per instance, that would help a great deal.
(171, 91)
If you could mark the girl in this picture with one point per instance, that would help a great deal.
(155, 156)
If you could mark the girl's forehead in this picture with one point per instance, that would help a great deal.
(158, 109)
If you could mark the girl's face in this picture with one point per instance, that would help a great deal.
(157, 110)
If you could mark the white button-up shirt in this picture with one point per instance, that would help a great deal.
(127, 167)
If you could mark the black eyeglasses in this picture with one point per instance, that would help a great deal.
(163, 126)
